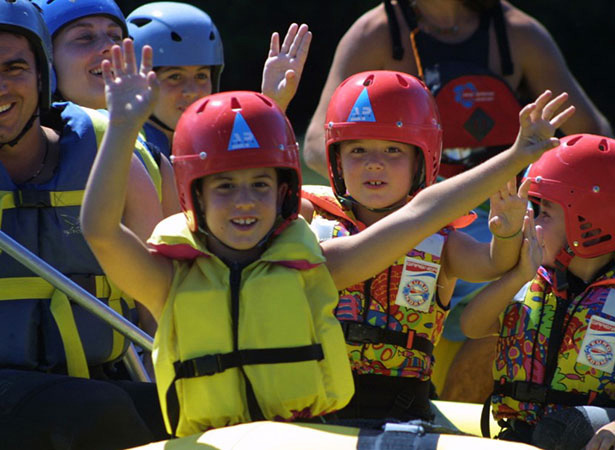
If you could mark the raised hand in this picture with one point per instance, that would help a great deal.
(530, 258)
(284, 65)
(130, 93)
(538, 122)
(508, 208)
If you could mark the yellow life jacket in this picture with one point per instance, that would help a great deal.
(265, 331)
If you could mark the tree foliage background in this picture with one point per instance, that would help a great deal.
(582, 29)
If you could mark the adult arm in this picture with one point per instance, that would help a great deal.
(362, 48)
(543, 67)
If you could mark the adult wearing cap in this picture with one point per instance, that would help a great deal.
(52, 351)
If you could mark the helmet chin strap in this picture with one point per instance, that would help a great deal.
(562, 261)
(161, 124)
(23, 131)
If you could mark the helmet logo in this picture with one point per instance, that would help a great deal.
(241, 136)
(362, 110)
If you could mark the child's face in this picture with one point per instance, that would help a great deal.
(78, 50)
(377, 173)
(551, 219)
(241, 206)
(179, 87)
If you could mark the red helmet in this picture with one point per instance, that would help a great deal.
(387, 105)
(580, 176)
(233, 131)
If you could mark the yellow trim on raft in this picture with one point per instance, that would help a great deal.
(299, 436)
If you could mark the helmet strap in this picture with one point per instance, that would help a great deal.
(23, 131)
(161, 124)
(562, 261)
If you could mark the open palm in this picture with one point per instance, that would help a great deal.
(130, 93)
(284, 65)
(508, 207)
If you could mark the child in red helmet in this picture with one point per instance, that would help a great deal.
(241, 288)
(556, 348)
(384, 142)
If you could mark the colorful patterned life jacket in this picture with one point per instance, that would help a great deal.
(478, 109)
(236, 344)
(553, 353)
(40, 329)
(393, 320)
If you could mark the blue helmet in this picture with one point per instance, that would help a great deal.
(58, 13)
(180, 34)
(24, 18)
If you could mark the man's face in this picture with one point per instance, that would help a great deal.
(18, 85)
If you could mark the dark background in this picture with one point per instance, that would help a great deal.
(583, 29)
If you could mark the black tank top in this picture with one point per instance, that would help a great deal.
(475, 49)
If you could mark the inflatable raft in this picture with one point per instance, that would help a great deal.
(457, 417)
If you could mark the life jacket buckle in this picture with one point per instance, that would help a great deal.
(404, 400)
(207, 365)
(32, 199)
(524, 391)
(86, 281)
(358, 332)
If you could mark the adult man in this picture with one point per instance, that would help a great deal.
(50, 347)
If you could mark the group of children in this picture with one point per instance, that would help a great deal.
(249, 284)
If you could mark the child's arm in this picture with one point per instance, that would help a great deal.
(358, 257)
(124, 258)
(489, 261)
(284, 65)
(603, 439)
(480, 317)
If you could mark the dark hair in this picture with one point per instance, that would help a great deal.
(480, 5)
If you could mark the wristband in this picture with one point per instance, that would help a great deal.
(508, 237)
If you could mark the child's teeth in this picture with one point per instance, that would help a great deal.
(245, 221)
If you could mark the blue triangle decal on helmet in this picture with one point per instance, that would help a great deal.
(241, 136)
(362, 110)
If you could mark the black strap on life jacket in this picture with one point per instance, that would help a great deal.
(497, 13)
(368, 334)
(398, 49)
(31, 198)
(208, 365)
(524, 391)
(501, 37)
